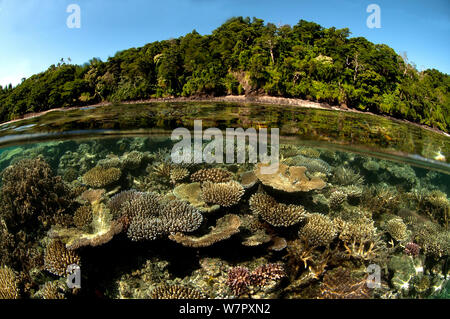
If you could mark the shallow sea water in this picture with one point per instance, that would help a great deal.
(358, 208)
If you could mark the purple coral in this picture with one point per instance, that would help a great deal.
(261, 275)
(412, 249)
(238, 280)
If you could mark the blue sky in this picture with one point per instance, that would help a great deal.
(34, 34)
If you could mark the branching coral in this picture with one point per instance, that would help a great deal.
(337, 198)
(151, 219)
(318, 231)
(116, 202)
(274, 213)
(346, 176)
(30, 192)
(52, 290)
(223, 194)
(9, 288)
(82, 217)
(288, 178)
(58, 258)
(238, 280)
(313, 165)
(225, 228)
(214, 175)
(175, 292)
(100, 177)
(397, 229)
(261, 275)
(359, 238)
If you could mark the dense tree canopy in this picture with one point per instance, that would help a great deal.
(249, 57)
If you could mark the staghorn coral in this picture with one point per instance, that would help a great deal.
(261, 275)
(223, 194)
(175, 292)
(9, 284)
(177, 174)
(340, 283)
(238, 280)
(397, 229)
(337, 198)
(214, 175)
(83, 217)
(275, 213)
(179, 216)
(288, 178)
(225, 227)
(52, 290)
(57, 258)
(359, 238)
(346, 176)
(318, 231)
(99, 177)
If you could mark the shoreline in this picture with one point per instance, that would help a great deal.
(264, 99)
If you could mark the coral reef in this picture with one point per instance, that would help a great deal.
(83, 217)
(192, 193)
(175, 292)
(288, 178)
(151, 219)
(58, 258)
(9, 284)
(346, 176)
(275, 213)
(319, 230)
(339, 283)
(30, 192)
(100, 177)
(214, 175)
(337, 198)
(238, 280)
(225, 227)
(397, 229)
(223, 194)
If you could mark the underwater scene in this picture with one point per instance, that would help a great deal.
(132, 224)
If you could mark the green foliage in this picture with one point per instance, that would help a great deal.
(245, 56)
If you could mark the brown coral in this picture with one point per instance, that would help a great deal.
(82, 217)
(154, 219)
(30, 192)
(8, 284)
(214, 175)
(288, 178)
(339, 283)
(193, 194)
(275, 213)
(265, 273)
(175, 292)
(225, 228)
(238, 280)
(58, 258)
(223, 194)
(100, 177)
(318, 231)
(397, 229)
(52, 290)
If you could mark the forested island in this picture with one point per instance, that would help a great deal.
(247, 57)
